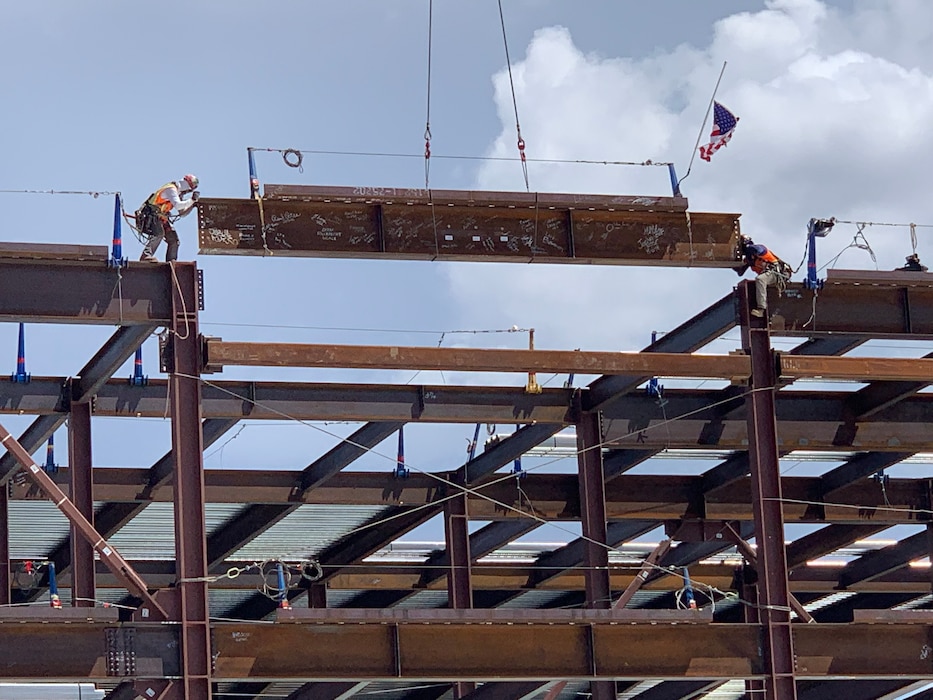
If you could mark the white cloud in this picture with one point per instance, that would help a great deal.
(835, 111)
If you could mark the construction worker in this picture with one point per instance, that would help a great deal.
(771, 271)
(154, 218)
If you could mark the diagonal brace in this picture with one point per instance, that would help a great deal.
(110, 556)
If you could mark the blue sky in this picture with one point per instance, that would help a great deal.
(835, 101)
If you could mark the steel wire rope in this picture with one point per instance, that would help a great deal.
(382, 154)
(478, 331)
(93, 193)
(475, 491)
(518, 126)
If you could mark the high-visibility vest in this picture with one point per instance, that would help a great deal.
(762, 262)
(160, 201)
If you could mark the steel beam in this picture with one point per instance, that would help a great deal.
(859, 467)
(482, 226)
(827, 540)
(853, 307)
(850, 690)
(308, 401)
(219, 354)
(327, 691)
(651, 498)
(408, 648)
(774, 596)
(882, 561)
(82, 495)
(31, 292)
(678, 690)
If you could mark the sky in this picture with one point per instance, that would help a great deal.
(835, 102)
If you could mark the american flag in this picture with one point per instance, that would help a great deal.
(724, 123)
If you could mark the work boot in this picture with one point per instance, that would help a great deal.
(758, 313)
(148, 258)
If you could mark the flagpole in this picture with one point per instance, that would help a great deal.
(705, 119)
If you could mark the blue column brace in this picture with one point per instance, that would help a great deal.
(253, 177)
(116, 257)
(20, 376)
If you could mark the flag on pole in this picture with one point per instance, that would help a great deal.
(724, 123)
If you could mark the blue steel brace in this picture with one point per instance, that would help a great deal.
(138, 378)
(517, 468)
(116, 256)
(253, 177)
(816, 228)
(689, 599)
(54, 600)
(675, 183)
(401, 471)
(472, 448)
(20, 376)
(654, 389)
(283, 590)
(50, 467)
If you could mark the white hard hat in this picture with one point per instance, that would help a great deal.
(192, 181)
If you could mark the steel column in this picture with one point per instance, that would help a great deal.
(593, 525)
(187, 445)
(773, 594)
(4, 545)
(81, 478)
(459, 579)
(593, 512)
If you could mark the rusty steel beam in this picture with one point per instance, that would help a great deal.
(652, 498)
(383, 223)
(308, 401)
(892, 310)
(31, 292)
(219, 354)
(448, 647)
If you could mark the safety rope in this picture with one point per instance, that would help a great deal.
(93, 193)
(518, 126)
(427, 121)
(382, 154)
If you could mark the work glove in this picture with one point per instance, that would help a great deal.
(195, 196)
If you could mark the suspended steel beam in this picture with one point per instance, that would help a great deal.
(31, 292)
(827, 540)
(412, 224)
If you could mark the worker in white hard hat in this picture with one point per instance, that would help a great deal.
(154, 218)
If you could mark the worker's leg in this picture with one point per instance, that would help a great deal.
(154, 233)
(171, 242)
(761, 288)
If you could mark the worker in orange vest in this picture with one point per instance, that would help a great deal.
(154, 218)
(771, 271)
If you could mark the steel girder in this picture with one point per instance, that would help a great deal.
(388, 223)
(31, 291)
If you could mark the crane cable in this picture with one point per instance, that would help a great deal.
(427, 122)
(518, 126)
